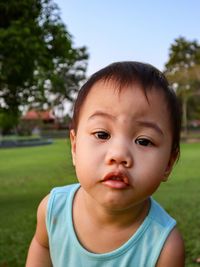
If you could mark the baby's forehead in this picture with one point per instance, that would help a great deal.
(127, 108)
(116, 86)
(109, 93)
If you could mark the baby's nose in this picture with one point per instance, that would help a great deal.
(119, 154)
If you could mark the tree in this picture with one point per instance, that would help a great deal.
(183, 71)
(38, 64)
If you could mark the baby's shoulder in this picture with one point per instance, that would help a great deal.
(60, 202)
(173, 253)
(62, 193)
(67, 189)
(41, 231)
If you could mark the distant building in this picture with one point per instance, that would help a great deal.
(36, 120)
(45, 116)
(194, 124)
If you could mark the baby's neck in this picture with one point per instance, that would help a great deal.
(101, 230)
(118, 218)
(108, 216)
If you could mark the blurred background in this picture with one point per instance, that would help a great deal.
(48, 48)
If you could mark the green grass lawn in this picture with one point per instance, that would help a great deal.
(28, 174)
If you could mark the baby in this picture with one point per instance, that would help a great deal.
(125, 136)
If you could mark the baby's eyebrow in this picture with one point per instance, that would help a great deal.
(142, 123)
(101, 114)
(150, 124)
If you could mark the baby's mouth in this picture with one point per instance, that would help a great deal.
(116, 180)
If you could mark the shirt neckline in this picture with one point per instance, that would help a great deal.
(108, 255)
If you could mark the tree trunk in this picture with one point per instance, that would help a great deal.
(185, 123)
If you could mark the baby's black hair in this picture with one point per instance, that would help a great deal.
(147, 77)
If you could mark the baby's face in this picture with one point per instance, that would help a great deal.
(122, 148)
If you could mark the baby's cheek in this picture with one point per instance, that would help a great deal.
(152, 176)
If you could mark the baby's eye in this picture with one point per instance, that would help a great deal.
(143, 142)
(102, 135)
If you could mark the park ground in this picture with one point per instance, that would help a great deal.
(28, 174)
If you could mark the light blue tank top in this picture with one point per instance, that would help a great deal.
(141, 250)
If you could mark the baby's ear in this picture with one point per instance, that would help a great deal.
(169, 167)
(73, 146)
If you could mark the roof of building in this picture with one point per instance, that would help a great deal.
(44, 115)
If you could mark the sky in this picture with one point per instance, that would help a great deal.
(116, 30)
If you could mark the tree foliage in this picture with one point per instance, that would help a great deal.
(38, 63)
(183, 54)
(183, 71)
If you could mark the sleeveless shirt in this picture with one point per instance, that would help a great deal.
(141, 250)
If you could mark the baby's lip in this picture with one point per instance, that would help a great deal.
(118, 176)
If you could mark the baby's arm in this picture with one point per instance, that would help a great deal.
(38, 254)
(173, 253)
